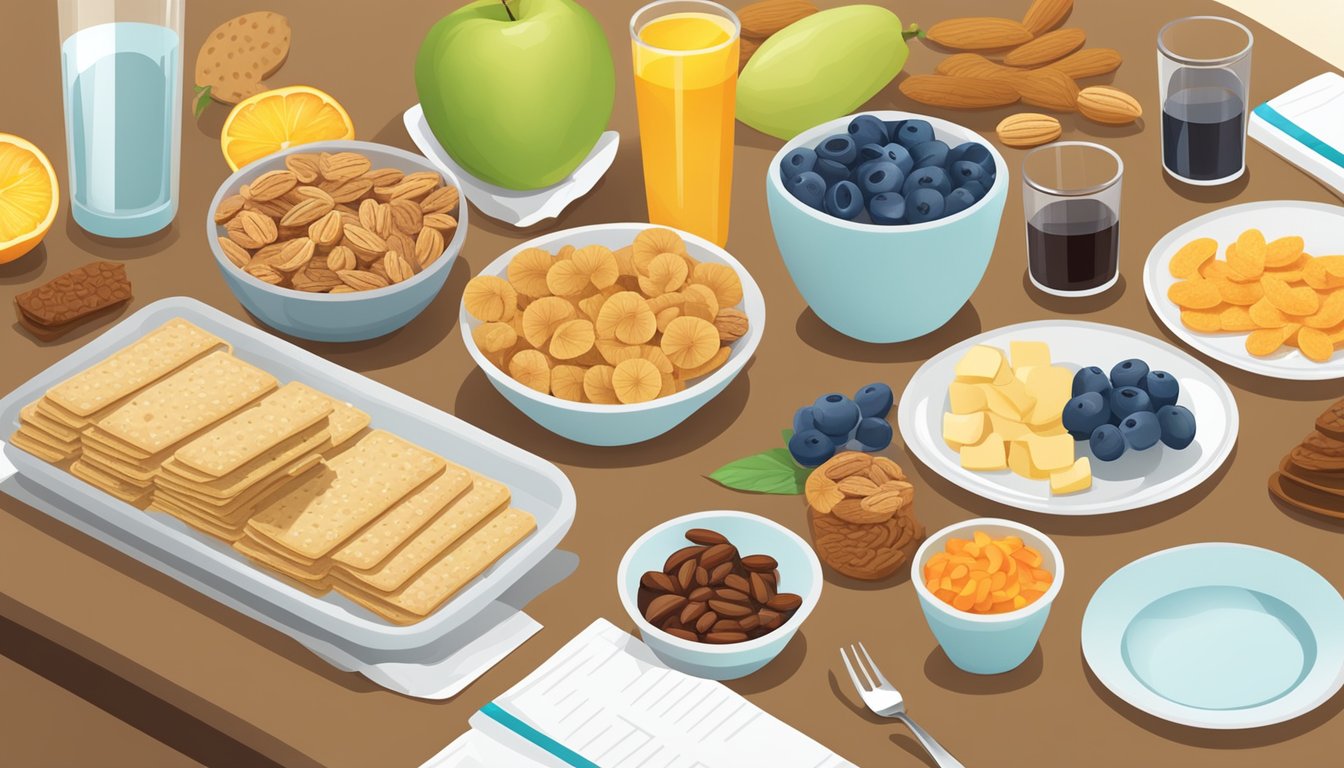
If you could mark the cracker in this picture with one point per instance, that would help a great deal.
(132, 495)
(279, 569)
(250, 433)
(32, 416)
(402, 521)
(45, 438)
(200, 522)
(364, 482)
(263, 553)
(246, 503)
(346, 422)
(282, 459)
(41, 451)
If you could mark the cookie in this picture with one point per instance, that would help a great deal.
(58, 306)
(869, 551)
(1304, 498)
(1331, 422)
(238, 55)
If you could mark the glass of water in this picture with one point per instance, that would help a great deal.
(121, 69)
(1204, 79)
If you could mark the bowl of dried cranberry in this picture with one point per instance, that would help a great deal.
(719, 594)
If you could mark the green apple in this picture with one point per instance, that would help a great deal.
(517, 91)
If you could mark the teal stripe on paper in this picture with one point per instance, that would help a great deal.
(1274, 118)
(551, 746)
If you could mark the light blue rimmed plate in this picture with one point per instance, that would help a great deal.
(1217, 635)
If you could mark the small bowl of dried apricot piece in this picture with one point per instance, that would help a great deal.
(986, 586)
(612, 334)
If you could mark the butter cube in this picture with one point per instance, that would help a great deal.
(988, 456)
(1008, 429)
(980, 364)
(966, 398)
(1019, 460)
(1026, 354)
(1052, 386)
(1015, 391)
(964, 429)
(1074, 479)
(1052, 429)
(1050, 454)
(1005, 376)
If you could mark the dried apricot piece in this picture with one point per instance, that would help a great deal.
(710, 366)
(690, 342)
(1331, 312)
(1232, 274)
(665, 273)
(1266, 315)
(651, 242)
(1213, 269)
(1237, 319)
(1248, 258)
(659, 303)
(667, 316)
(543, 316)
(636, 381)
(656, 356)
(703, 294)
(494, 337)
(490, 298)
(1315, 344)
(1283, 251)
(1241, 294)
(567, 382)
(590, 306)
(590, 266)
(597, 385)
(1266, 341)
(721, 279)
(1191, 257)
(571, 339)
(1292, 301)
(1195, 294)
(532, 369)
(625, 261)
(626, 316)
(1333, 265)
(527, 272)
(1317, 273)
(1204, 321)
(615, 352)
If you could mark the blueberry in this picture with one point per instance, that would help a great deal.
(811, 448)
(957, 201)
(1128, 373)
(841, 440)
(934, 178)
(873, 434)
(964, 171)
(871, 152)
(1084, 413)
(930, 153)
(835, 414)
(914, 132)
(887, 208)
(1162, 388)
(844, 200)
(1127, 400)
(802, 420)
(839, 148)
(866, 129)
(958, 153)
(977, 189)
(893, 128)
(1141, 430)
(924, 204)
(1091, 379)
(979, 154)
(798, 161)
(880, 176)
(1178, 426)
(809, 188)
(1107, 443)
(901, 157)
(874, 400)
(830, 171)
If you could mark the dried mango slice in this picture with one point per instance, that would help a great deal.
(597, 385)
(703, 294)
(650, 243)
(1315, 344)
(690, 342)
(1292, 301)
(543, 316)
(626, 316)
(614, 352)
(592, 266)
(490, 298)
(665, 273)
(721, 279)
(1242, 294)
(1191, 257)
(1267, 341)
(1232, 274)
(1331, 312)
(1195, 294)
(1266, 315)
(1317, 274)
(1333, 264)
(592, 305)
(659, 303)
(636, 381)
(1213, 269)
(1248, 258)
(671, 385)
(1237, 319)
(567, 382)
(532, 369)
(1283, 251)
(571, 339)
(1202, 320)
(625, 261)
(656, 356)
(667, 316)
(712, 365)
(494, 337)
(527, 272)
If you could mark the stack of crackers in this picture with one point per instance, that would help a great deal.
(1311, 476)
(292, 478)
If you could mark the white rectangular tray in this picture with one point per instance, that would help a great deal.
(169, 545)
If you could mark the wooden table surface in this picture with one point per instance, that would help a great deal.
(223, 689)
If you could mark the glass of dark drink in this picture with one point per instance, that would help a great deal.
(1204, 78)
(1071, 196)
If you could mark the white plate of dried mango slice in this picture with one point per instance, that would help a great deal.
(1258, 286)
(1028, 431)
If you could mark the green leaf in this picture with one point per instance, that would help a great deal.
(788, 435)
(773, 471)
(201, 101)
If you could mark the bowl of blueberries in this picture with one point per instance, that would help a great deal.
(886, 220)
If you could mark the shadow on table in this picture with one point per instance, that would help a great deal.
(1215, 739)
(1219, 194)
(1069, 305)
(26, 268)
(91, 326)
(785, 666)
(834, 577)
(479, 403)
(119, 248)
(943, 673)
(818, 335)
(1317, 521)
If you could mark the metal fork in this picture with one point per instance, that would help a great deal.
(885, 701)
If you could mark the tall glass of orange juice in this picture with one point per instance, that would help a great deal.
(686, 56)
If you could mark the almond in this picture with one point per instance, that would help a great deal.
(1046, 48)
(414, 186)
(303, 165)
(341, 258)
(442, 200)
(1108, 106)
(306, 212)
(440, 221)
(397, 268)
(342, 288)
(972, 65)
(270, 208)
(731, 323)
(272, 184)
(406, 216)
(364, 241)
(252, 230)
(264, 273)
(347, 191)
(1047, 88)
(1045, 15)
(428, 247)
(1089, 62)
(327, 230)
(403, 244)
(361, 280)
(979, 33)
(383, 177)
(959, 92)
(315, 279)
(228, 208)
(342, 166)
(376, 217)
(234, 252)
(295, 254)
(1028, 129)
(763, 19)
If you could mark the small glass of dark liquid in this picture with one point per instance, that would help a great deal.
(1204, 78)
(1071, 197)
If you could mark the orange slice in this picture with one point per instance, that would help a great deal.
(29, 196)
(279, 119)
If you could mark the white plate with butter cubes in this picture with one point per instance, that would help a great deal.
(1035, 446)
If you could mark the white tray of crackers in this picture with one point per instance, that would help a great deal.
(320, 497)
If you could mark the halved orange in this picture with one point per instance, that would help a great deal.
(274, 120)
(29, 196)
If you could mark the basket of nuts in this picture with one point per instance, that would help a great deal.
(337, 241)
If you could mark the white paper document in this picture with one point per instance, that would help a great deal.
(1305, 126)
(605, 700)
